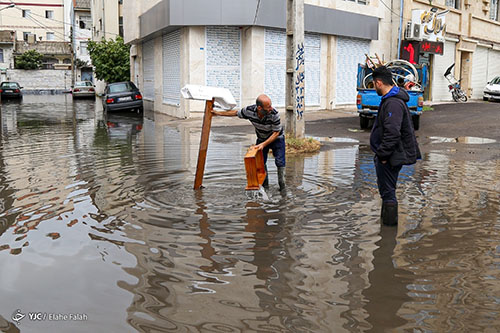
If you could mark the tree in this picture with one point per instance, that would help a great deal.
(29, 60)
(111, 59)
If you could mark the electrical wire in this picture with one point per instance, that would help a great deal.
(256, 12)
(44, 27)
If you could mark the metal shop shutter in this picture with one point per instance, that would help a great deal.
(350, 52)
(439, 83)
(479, 71)
(275, 67)
(223, 59)
(148, 65)
(172, 68)
(493, 64)
(313, 68)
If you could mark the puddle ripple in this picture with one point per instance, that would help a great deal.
(99, 215)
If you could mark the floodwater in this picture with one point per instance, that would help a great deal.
(99, 222)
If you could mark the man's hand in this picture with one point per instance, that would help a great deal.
(383, 162)
(260, 146)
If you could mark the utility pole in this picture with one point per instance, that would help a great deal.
(295, 69)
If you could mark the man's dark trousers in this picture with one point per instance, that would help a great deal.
(387, 177)
(278, 146)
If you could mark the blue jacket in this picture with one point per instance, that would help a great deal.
(393, 137)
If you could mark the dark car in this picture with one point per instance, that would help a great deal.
(122, 96)
(10, 90)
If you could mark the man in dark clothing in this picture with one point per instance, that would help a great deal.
(392, 140)
(267, 123)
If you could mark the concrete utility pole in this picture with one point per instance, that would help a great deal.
(295, 71)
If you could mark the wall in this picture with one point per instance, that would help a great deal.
(8, 59)
(41, 79)
(12, 19)
(107, 11)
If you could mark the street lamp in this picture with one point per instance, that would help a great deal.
(9, 6)
(6, 7)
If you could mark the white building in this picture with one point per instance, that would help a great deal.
(241, 46)
(81, 20)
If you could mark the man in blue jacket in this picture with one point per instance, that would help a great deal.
(392, 140)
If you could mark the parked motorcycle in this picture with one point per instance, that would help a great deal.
(454, 87)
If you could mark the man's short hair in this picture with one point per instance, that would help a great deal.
(258, 101)
(383, 74)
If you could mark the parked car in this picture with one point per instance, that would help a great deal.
(83, 89)
(122, 96)
(492, 90)
(10, 89)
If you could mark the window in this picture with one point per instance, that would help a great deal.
(49, 14)
(494, 10)
(120, 26)
(85, 22)
(25, 36)
(51, 36)
(453, 4)
(83, 48)
(1, 55)
(361, 2)
(26, 13)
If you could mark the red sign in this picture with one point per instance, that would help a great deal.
(432, 47)
(410, 51)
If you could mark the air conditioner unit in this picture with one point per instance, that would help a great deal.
(413, 31)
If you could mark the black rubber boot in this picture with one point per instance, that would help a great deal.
(265, 184)
(390, 213)
(281, 178)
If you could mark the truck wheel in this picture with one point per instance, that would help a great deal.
(363, 122)
(416, 121)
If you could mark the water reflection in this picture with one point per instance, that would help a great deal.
(99, 215)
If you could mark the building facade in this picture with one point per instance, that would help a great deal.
(33, 20)
(241, 45)
(471, 41)
(81, 20)
(107, 19)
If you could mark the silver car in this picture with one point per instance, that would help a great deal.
(492, 90)
(83, 89)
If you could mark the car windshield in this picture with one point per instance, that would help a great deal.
(10, 85)
(495, 80)
(120, 87)
(83, 84)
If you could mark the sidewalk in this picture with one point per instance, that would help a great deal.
(220, 121)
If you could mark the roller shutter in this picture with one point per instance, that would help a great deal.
(440, 91)
(350, 52)
(479, 71)
(223, 59)
(172, 68)
(148, 65)
(493, 64)
(275, 67)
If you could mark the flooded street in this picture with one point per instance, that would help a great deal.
(98, 218)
